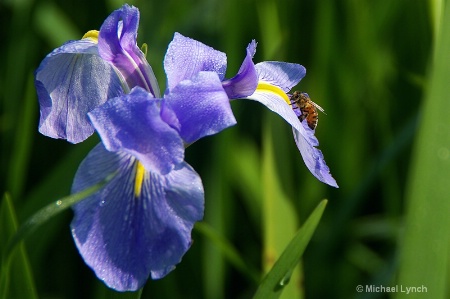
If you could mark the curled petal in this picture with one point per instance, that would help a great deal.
(186, 57)
(126, 238)
(245, 82)
(117, 45)
(71, 81)
(133, 123)
(202, 106)
(313, 158)
(282, 74)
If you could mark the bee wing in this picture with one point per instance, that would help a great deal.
(318, 107)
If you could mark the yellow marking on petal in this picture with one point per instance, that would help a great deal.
(92, 34)
(139, 179)
(267, 87)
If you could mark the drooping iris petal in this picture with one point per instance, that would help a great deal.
(303, 135)
(282, 74)
(245, 82)
(132, 123)
(126, 238)
(201, 106)
(313, 159)
(276, 79)
(71, 81)
(117, 45)
(186, 57)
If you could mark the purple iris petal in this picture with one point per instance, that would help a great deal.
(313, 158)
(117, 45)
(71, 81)
(124, 238)
(245, 82)
(201, 105)
(282, 74)
(132, 123)
(186, 57)
(303, 135)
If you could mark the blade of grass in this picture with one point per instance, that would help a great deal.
(16, 279)
(426, 245)
(280, 220)
(218, 216)
(276, 280)
(20, 154)
(47, 213)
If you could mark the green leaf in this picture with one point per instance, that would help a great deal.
(21, 152)
(279, 215)
(16, 279)
(276, 280)
(48, 212)
(425, 248)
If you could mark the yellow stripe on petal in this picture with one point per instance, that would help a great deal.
(92, 34)
(267, 87)
(139, 179)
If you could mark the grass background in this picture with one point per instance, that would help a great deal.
(380, 69)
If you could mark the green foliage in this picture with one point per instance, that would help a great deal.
(280, 275)
(16, 279)
(426, 242)
(378, 68)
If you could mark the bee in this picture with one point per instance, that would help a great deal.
(307, 108)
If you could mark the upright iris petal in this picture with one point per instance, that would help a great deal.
(126, 238)
(245, 82)
(186, 57)
(117, 45)
(71, 81)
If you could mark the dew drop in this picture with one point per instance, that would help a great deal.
(285, 281)
(102, 203)
(59, 202)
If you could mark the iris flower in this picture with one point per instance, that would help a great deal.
(139, 225)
